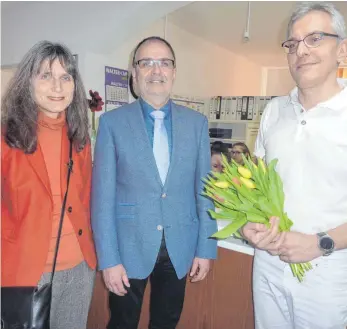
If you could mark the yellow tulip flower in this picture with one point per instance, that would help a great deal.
(222, 184)
(244, 172)
(247, 182)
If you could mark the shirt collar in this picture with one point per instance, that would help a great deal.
(335, 103)
(147, 108)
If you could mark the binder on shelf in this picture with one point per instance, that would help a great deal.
(230, 108)
(224, 114)
(239, 108)
(218, 107)
(215, 107)
(233, 109)
(262, 104)
(227, 108)
(222, 108)
(256, 108)
(207, 108)
(212, 115)
(244, 108)
(250, 107)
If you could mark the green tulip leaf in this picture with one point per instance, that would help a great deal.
(229, 230)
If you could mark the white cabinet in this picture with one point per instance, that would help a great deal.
(230, 132)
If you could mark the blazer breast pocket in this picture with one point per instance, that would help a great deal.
(125, 210)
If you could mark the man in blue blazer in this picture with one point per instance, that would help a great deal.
(148, 216)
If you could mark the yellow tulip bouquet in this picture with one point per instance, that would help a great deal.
(249, 193)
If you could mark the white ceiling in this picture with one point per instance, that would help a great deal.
(84, 26)
(224, 22)
(101, 26)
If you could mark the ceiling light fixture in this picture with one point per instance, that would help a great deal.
(246, 35)
(165, 28)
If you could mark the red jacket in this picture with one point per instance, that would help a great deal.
(26, 211)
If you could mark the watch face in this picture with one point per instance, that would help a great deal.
(326, 243)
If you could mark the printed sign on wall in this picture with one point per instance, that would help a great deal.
(116, 87)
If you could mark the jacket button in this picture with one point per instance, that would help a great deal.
(163, 195)
(80, 232)
(69, 209)
(159, 228)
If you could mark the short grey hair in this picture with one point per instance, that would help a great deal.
(337, 20)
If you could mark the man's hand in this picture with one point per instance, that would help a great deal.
(264, 238)
(115, 278)
(299, 248)
(291, 247)
(200, 268)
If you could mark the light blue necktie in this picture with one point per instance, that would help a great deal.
(160, 144)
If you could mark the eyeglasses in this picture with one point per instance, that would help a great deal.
(236, 152)
(218, 166)
(313, 40)
(148, 63)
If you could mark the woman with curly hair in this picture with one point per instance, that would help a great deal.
(43, 111)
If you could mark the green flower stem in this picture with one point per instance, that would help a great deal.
(239, 204)
(93, 120)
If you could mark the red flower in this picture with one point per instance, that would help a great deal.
(96, 103)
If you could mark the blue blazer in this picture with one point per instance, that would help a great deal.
(130, 205)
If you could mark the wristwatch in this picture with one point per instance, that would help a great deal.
(325, 243)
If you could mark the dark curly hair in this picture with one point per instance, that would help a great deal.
(19, 118)
(218, 147)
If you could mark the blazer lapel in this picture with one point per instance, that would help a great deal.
(139, 133)
(177, 133)
(37, 161)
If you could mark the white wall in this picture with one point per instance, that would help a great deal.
(278, 81)
(6, 76)
(203, 69)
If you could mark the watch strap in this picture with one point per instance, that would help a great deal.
(326, 252)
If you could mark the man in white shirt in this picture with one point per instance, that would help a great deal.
(307, 132)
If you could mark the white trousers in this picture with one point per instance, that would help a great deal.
(319, 302)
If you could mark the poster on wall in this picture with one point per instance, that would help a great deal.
(116, 87)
